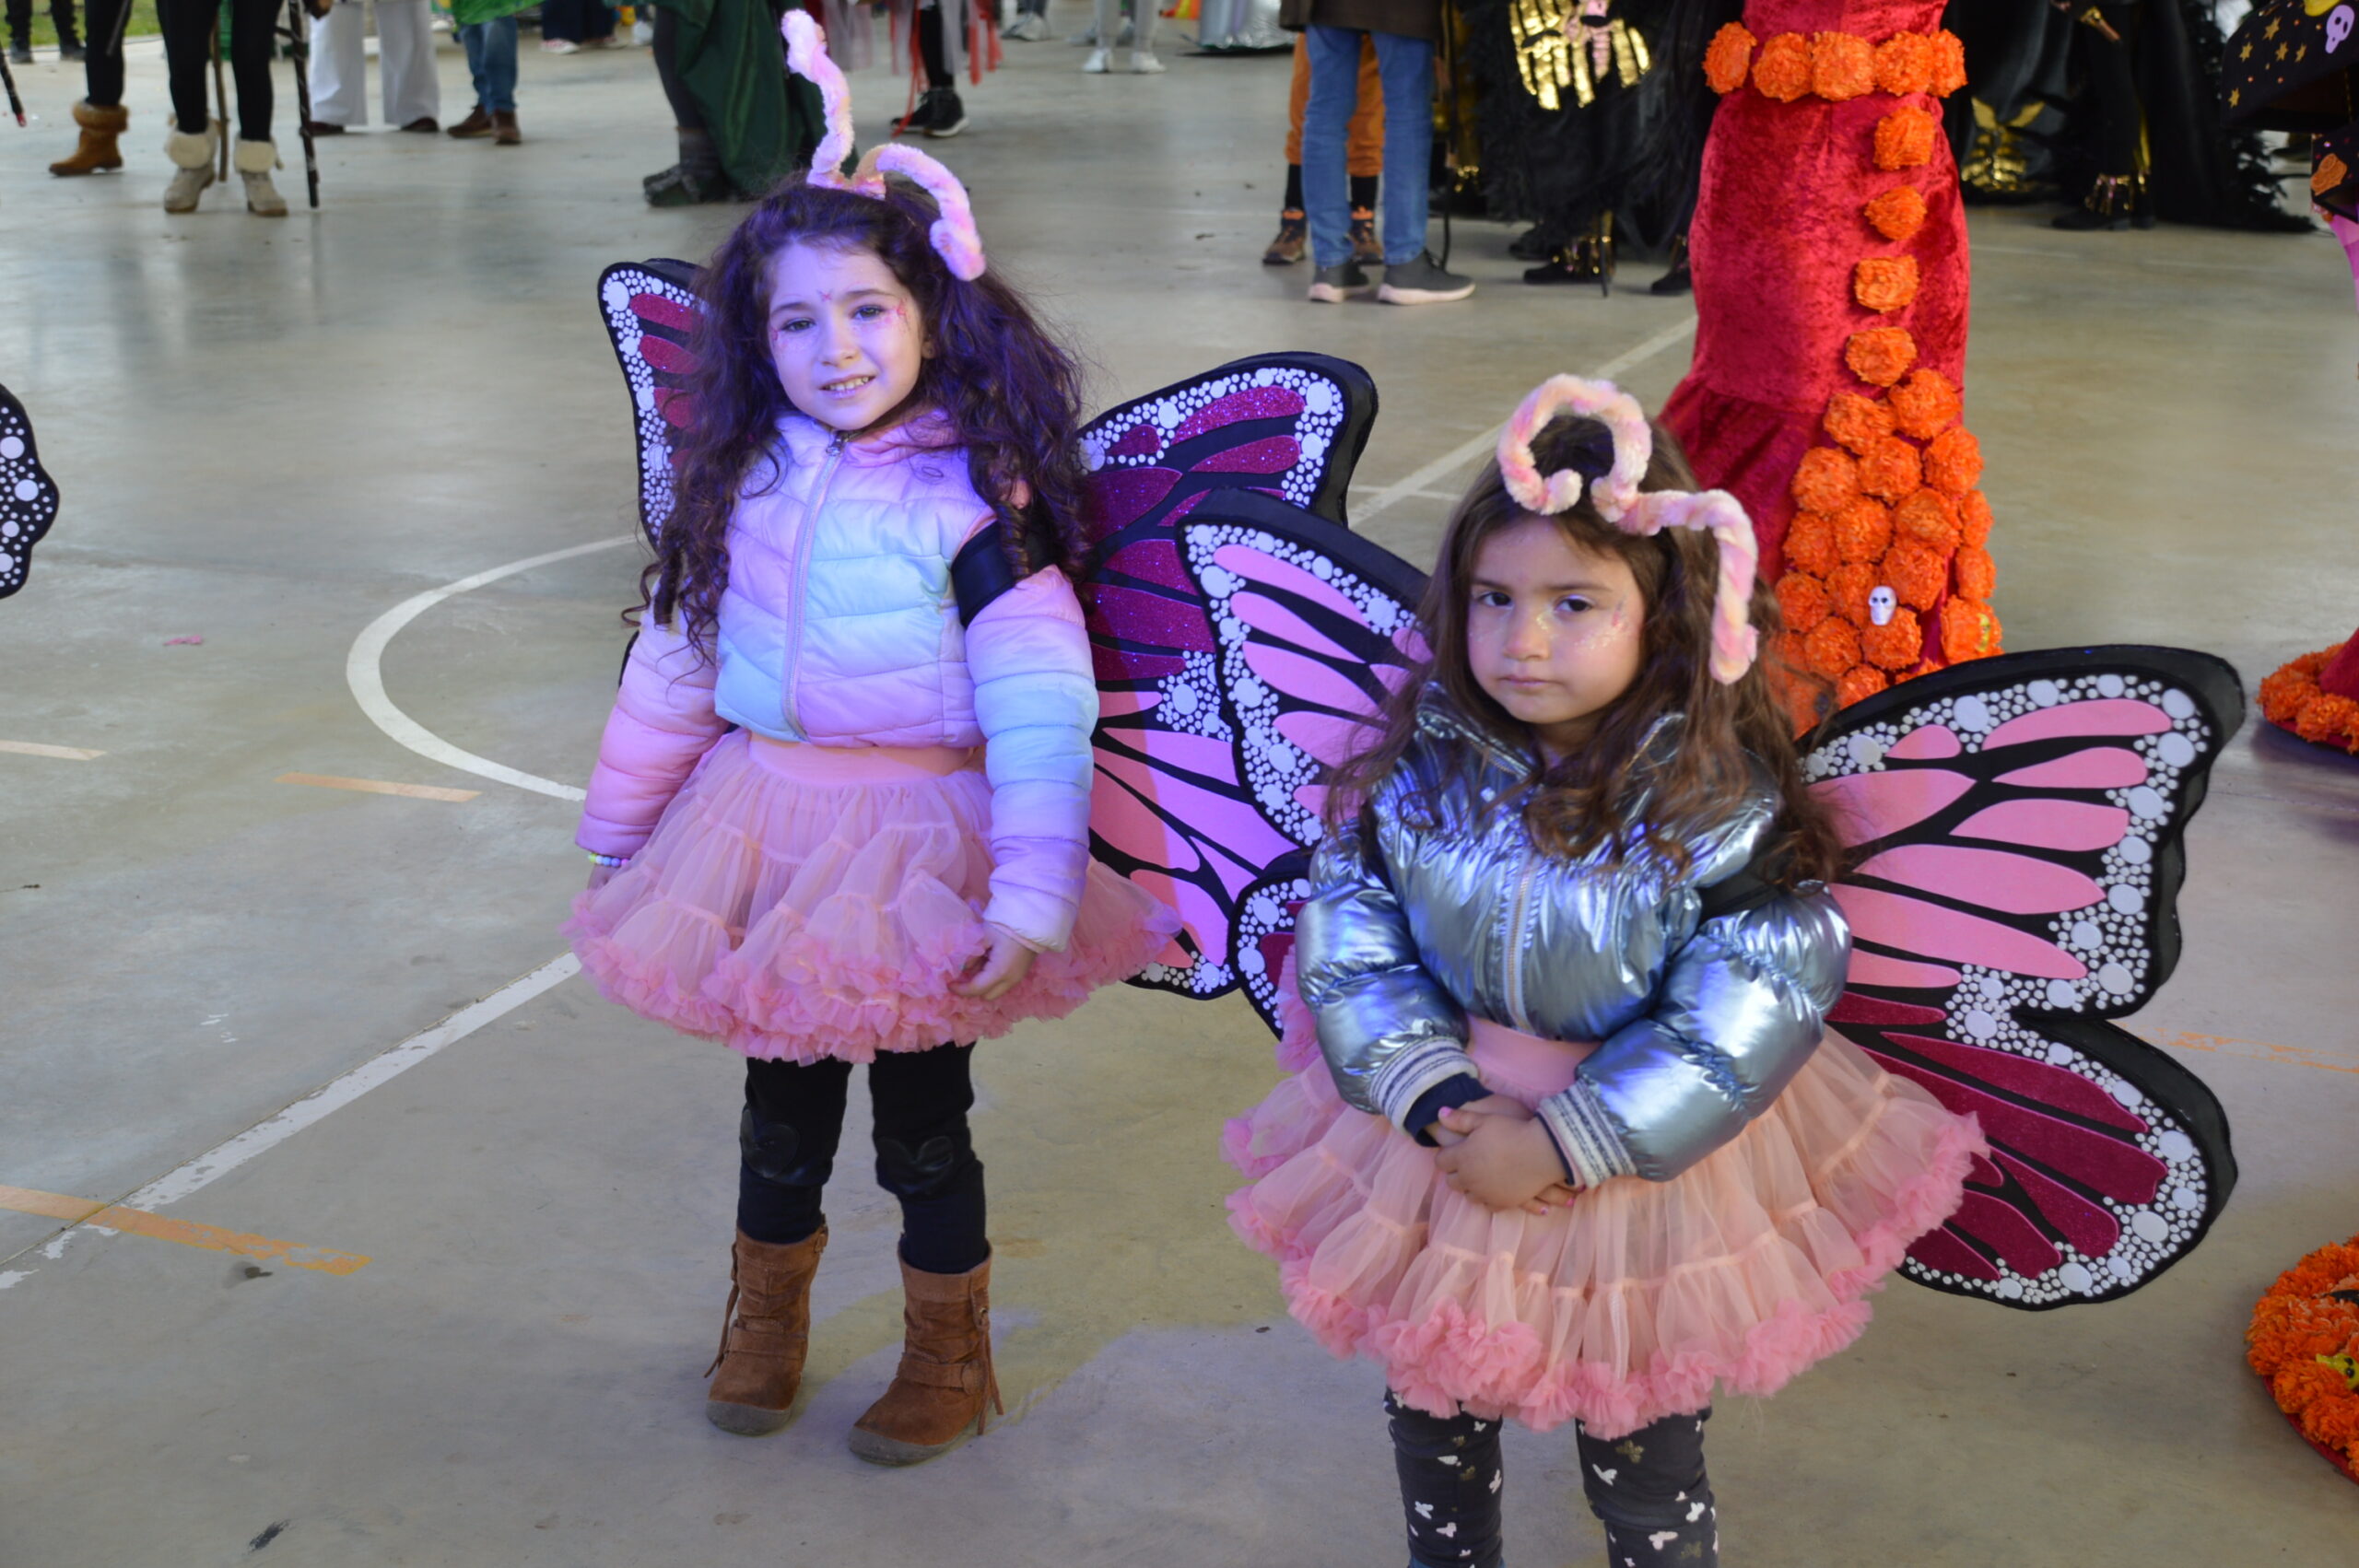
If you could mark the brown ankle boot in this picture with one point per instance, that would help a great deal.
(945, 1378)
(765, 1332)
(504, 133)
(96, 150)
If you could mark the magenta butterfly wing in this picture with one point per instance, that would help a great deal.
(651, 310)
(1173, 809)
(28, 495)
(2017, 828)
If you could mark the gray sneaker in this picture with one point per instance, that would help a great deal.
(1422, 282)
(1332, 285)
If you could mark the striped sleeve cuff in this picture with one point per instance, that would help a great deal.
(1417, 1068)
(1586, 1135)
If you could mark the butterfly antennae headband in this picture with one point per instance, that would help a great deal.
(1616, 494)
(954, 234)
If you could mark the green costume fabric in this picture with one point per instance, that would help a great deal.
(468, 13)
(764, 122)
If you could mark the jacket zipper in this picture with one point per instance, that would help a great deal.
(1511, 951)
(802, 584)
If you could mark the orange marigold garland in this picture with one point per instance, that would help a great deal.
(1973, 518)
(2305, 1340)
(1904, 63)
(1904, 138)
(1885, 283)
(1729, 58)
(1978, 575)
(1856, 422)
(1805, 601)
(1969, 630)
(1825, 480)
(2292, 700)
(1863, 531)
(1852, 583)
(1915, 574)
(1832, 648)
(1949, 64)
(1928, 518)
(1953, 462)
(1842, 66)
(1925, 403)
(1783, 71)
(1892, 470)
(1809, 545)
(1899, 644)
(1860, 683)
(1898, 213)
(1881, 355)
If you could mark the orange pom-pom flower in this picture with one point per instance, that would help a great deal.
(2329, 719)
(1783, 70)
(1728, 59)
(1973, 518)
(1904, 138)
(1978, 574)
(1862, 529)
(1931, 518)
(1905, 63)
(1860, 683)
(1892, 471)
(1809, 545)
(1915, 574)
(1885, 283)
(1842, 66)
(1851, 583)
(1805, 601)
(1831, 647)
(1879, 355)
(1899, 644)
(1969, 631)
(1827, 478)
(1949, 64)
(1898, 213)
(1926, 403)
(1953, 462)
(1858, 422)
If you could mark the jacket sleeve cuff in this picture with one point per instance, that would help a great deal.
(1446, 1095)
(1405, 1079)
(1586, 1136)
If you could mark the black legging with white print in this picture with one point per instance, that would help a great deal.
(1648, 1488)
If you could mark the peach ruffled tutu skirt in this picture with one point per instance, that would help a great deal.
(1633, 1302)
(805, 902)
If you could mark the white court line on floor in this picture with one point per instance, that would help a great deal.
(1460, 456)
(322, 1102)
(364, 673)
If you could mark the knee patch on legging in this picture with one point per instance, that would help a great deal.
(930, 1169)
(775, 1153)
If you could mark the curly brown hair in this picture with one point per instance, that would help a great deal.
(1011, 394)
(1591, 799)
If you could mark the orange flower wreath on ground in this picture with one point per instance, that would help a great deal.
(2292, 700)
(2305, 1340)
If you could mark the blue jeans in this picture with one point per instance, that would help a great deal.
(1405, 65)
(491, 60)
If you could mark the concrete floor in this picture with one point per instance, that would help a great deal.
(270, 433)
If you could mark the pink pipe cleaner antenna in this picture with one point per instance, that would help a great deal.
(1736, 642)
(954, 234)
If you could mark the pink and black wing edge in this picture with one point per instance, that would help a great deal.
(1174, 809)
(651, 310)
(28, 495)
(2017, 829)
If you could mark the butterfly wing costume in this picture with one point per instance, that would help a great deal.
(28, 495)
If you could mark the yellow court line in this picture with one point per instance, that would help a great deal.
(380, 786)
(34, 748)
(2250, 1050)
(187, 1232)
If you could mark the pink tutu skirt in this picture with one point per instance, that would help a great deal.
(1629, 1304)
(807, 902)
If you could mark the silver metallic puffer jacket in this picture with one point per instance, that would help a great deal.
(1701, 1026)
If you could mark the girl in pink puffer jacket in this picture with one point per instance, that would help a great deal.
(840, 813)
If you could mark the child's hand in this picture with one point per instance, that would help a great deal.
(1002, 968)
(1506, 1161)
(1449, 1133)
(600, 875)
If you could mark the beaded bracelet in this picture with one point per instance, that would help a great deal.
(611, 863)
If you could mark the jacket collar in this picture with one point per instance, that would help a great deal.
(806, 440)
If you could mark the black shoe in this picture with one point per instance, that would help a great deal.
(1332, 285)
(1422, 282)
(1678, 279)
(70, 52)
(20, 54)
(1590, 261)
(1532, 246)
(949, 115)
(680, 186)
(2112, 203)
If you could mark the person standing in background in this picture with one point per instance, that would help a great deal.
(1363, 143)
(189, 28)
(408, 90)
(569, 25)
(20, 30)
(488, 32)
(100, 116)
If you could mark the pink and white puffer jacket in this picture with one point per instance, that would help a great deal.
(839, 627)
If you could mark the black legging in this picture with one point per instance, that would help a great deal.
(103, 66)
(795, 1115)
(188, 26)
(1648, 1488)
(930, 51)
(2113, 83)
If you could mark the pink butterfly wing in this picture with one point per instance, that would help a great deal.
(651, 310)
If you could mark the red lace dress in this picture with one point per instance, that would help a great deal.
(1831, 283)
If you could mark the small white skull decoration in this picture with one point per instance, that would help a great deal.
(1881, 602)
(2337, 28)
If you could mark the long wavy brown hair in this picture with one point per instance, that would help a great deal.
(1011, 396)
(1616, 791)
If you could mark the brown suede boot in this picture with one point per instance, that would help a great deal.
(946, 1379)
(765, 1332)
(96, 150)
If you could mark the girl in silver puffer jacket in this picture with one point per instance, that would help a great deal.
(1579, 1146)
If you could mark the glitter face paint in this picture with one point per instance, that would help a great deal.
(1552, 634)
(844, 336)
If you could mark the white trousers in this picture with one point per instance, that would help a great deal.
(408, 85)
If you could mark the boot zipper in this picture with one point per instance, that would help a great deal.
(802, 570)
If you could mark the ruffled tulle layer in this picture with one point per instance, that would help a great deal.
(1635, 1302)
(799, 916)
